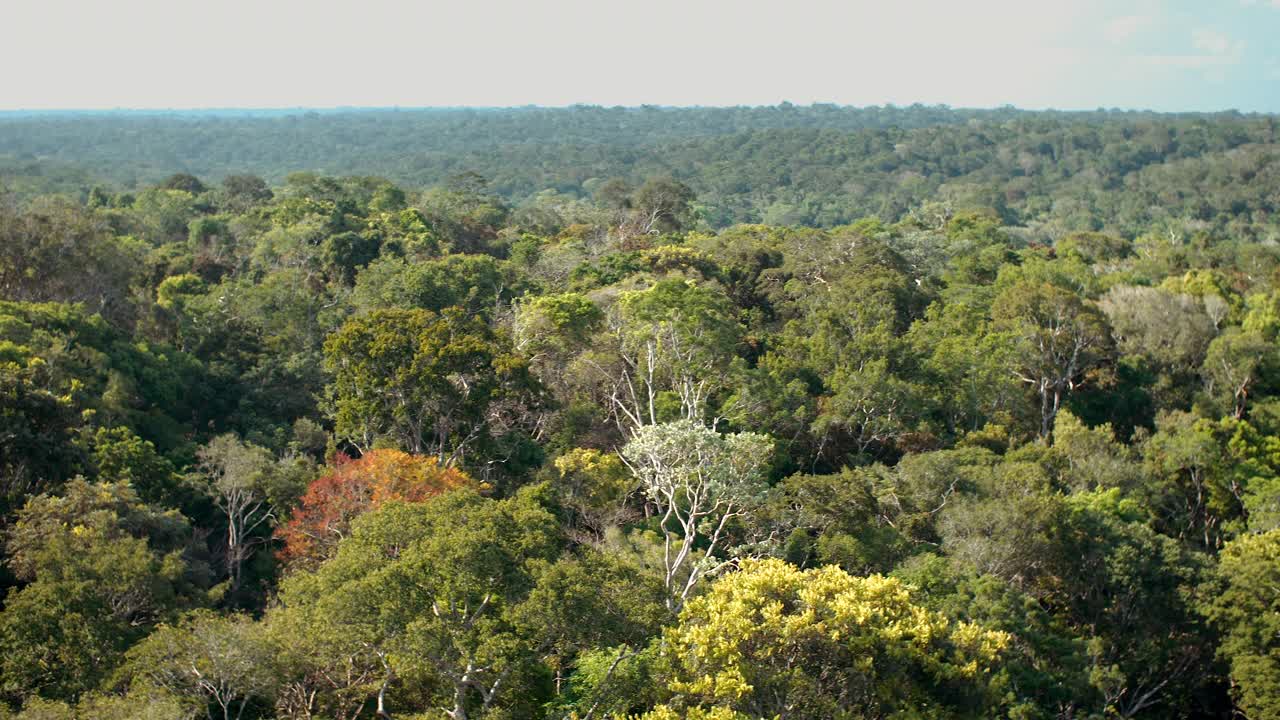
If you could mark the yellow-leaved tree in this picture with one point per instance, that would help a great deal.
(776, 641)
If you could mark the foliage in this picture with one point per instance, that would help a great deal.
(100, 568)
(1022, 363)
(699, 480)
(438, 384)
(206, 661)
(1245, 608)
(772, 639)
(356, 486)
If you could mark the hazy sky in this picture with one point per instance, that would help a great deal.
(1074, 54)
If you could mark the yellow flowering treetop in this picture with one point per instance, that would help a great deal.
(774, 640)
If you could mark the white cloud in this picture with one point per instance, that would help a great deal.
(1119, 30)
(1189, 62)
(1217, 54)
(1216, 51)
(1210, 41)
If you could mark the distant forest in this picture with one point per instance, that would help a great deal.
(821, 165)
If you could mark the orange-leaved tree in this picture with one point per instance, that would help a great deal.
(354, 486)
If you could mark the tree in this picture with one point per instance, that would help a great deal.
(212, 241)
(35, 432)
(243, 192)
(1043, 671)
(405, 232)
(663, 205)
(1061, 339)
(236, 473)
(1095, 459)
(626, 604)
(775, 641)
(869, 406)
(143, 704)
(595, 486)
(185, 182)
(965, 361)
(474, 282)
(1191, 486)
(699, 480)
(1007, 531)
(675, 343)
(463, 214)
(120, 456)
(56, 251)
(348, 253)
(1237, 362)
(1172, 330)
(1244, 603)
(851, 298)
(160, 215)
(428, 589)
(1129, 591)
(99, 570)
(321, 673)
(613, 194)
(922, 486)
(1093, 247)
(355, 486)
(1167, 333)
(214, 661)
(835, 520)
(555, 325)
(438, 384)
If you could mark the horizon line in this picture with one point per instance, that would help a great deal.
(198, 110)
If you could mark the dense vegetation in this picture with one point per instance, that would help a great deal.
(822, 165)
(986, 426)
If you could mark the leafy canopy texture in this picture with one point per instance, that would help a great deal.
(355, 486)
(428, 590)
(700, 480)
(100, 570)
(777, 641)
(428, 383)
(1248, 612)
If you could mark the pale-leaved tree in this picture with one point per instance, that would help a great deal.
(699, 480)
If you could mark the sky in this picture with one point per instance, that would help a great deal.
(1168, 55)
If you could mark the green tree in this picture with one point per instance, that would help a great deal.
(242, 192)
(439, 384)
(236, 476)
(100, 569)
(836, 520)
(1166, 333)
(221, 664)
(1190, 484)
(429, 588)
(36, 428)
(474, 282)
(1129, 591)
(1245, 605)
(595, 486)
(663, 205)
(1237, 365)
(1044, 669)
(121, 456)
(675, 342)
(55, 251)
(186, 182)
(1061, 339)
